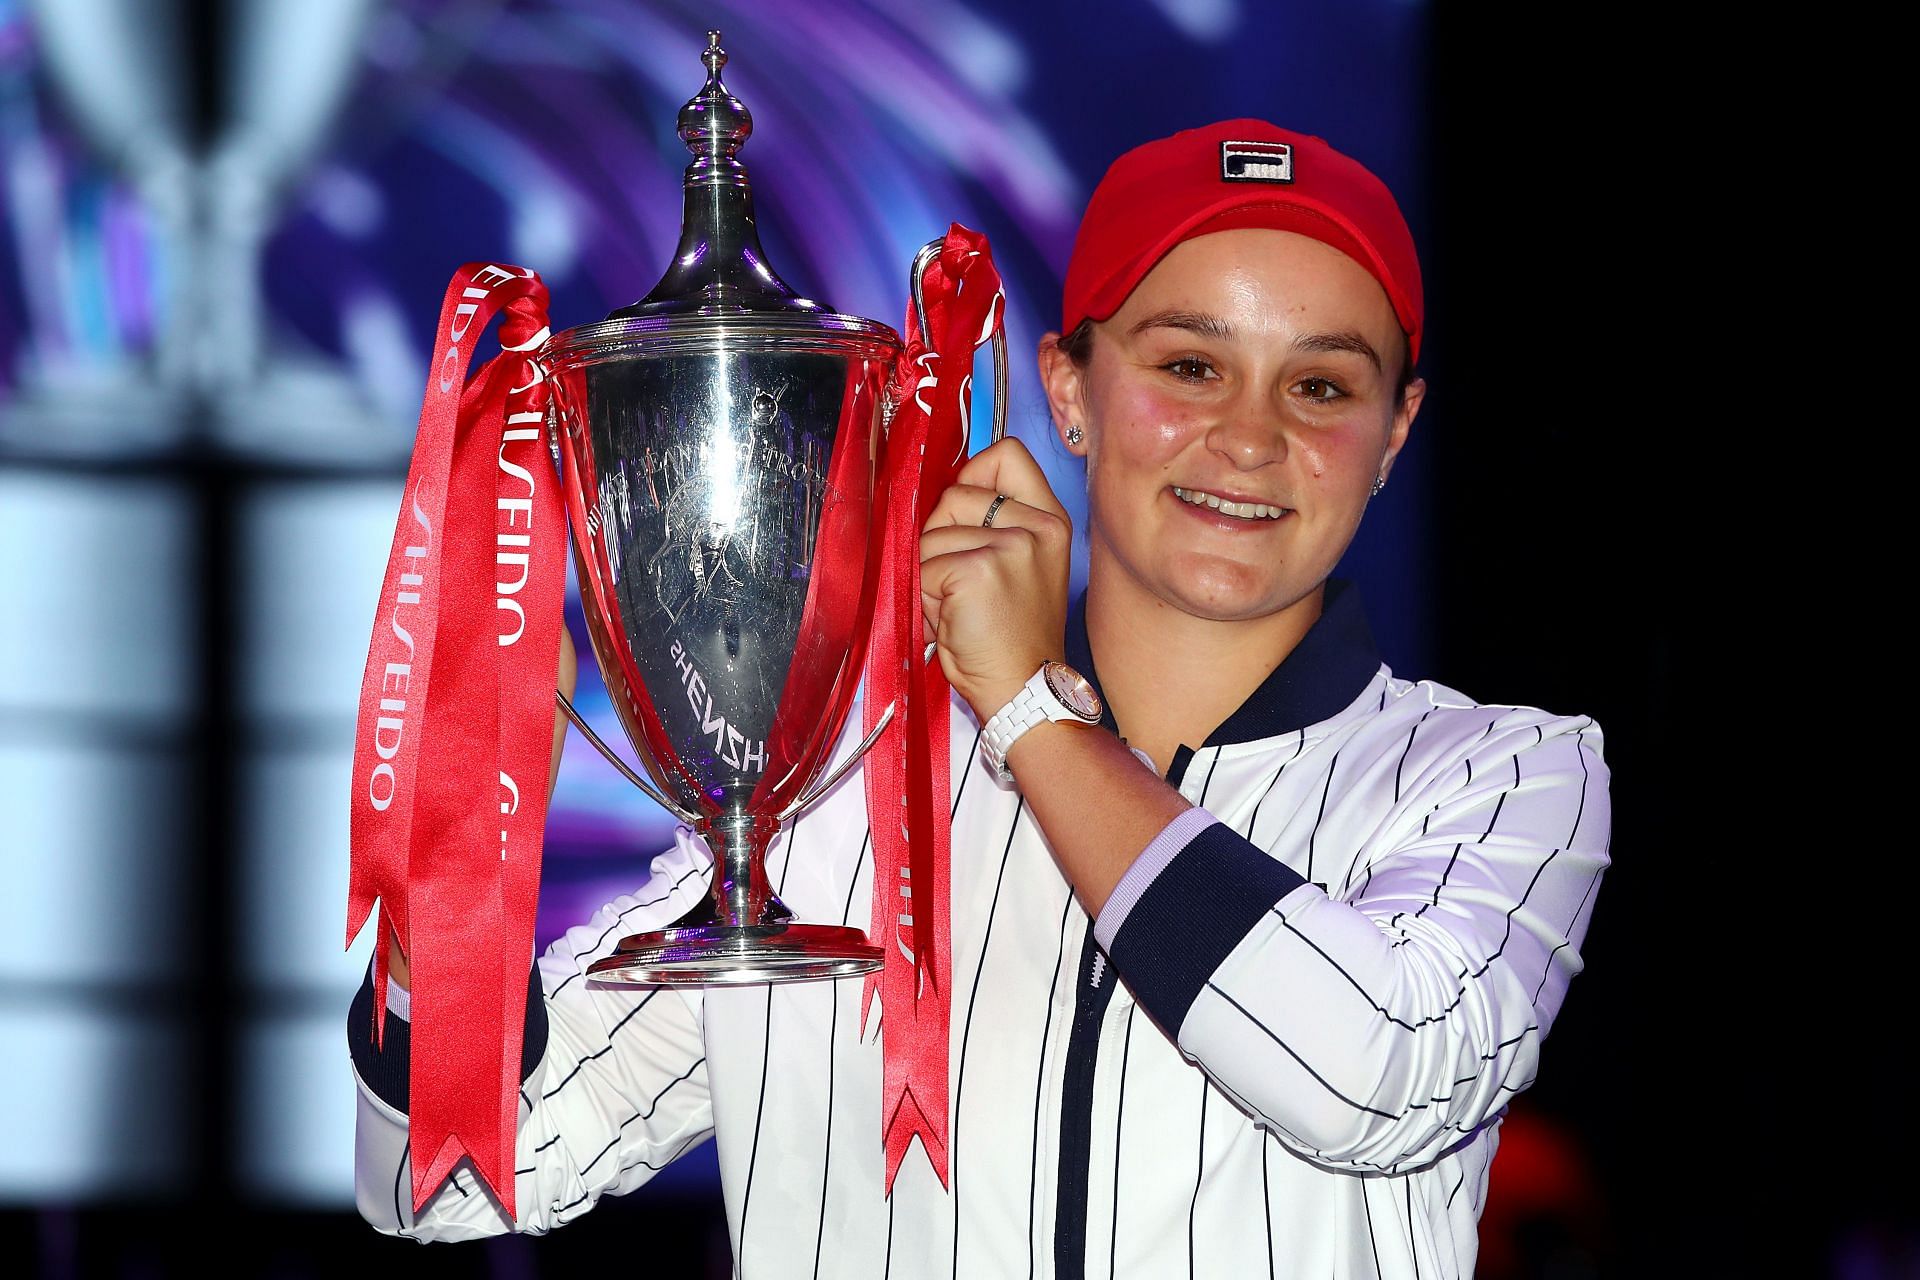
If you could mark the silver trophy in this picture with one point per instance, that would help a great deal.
(721, 443)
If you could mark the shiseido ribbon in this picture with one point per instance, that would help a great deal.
(907, 769)
(453, 746)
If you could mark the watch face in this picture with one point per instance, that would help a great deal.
(1072, 688)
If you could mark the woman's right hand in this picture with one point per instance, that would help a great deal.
(569, 674)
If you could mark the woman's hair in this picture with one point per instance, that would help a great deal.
(1078, 347)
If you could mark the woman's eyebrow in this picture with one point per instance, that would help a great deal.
(1337, 340)
(1207, 326)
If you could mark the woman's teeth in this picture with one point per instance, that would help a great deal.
(1245, 510)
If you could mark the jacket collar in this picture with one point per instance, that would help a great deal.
(1319, 679)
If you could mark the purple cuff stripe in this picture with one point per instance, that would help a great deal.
(385, 1069)
(1190, 918)
(1151, 862)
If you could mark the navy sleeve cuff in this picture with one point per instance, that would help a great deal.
(385, 1069)
(1196, 911)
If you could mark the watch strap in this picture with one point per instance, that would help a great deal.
(1034, 703)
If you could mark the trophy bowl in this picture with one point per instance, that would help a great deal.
(720, 477)
(720, 445)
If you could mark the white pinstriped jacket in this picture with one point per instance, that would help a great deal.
(1325, 999)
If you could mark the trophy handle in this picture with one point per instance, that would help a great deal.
(921, 261)
(819, 789)
(653, 792)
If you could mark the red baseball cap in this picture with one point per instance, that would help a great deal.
(1237, 173)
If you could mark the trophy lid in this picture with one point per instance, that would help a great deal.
(719, 269)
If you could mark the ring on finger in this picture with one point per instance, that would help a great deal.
(993, 509)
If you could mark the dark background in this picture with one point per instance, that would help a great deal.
(1592, 518)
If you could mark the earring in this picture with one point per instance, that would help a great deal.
(1074, 434)
(1379, 483)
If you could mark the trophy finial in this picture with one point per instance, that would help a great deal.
(714, 124)
(719, 265)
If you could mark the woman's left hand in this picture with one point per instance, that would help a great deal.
(996, 596)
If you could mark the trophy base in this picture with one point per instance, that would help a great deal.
(721, 956)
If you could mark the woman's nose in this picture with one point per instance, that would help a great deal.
(1249, 434)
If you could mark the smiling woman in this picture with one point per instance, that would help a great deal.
(1317, 905)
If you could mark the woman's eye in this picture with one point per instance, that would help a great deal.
(1189, 368)
(1320, 389)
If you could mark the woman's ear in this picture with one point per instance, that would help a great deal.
(1403, 416)
(1066, 399)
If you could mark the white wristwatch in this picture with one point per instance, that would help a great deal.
(1055, 692)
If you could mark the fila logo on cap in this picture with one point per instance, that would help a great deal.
(1256, 162)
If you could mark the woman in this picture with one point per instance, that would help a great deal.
(1343, 907)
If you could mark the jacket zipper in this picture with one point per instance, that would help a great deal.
(1095, 992)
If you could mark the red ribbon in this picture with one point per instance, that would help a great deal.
(464, 654)
(459, 887)
(907, 769)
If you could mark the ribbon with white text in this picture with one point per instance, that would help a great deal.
(452, 749)
(907, 770)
